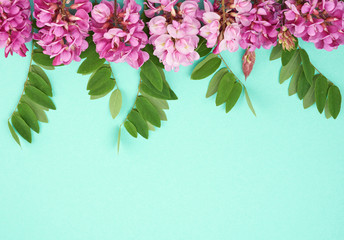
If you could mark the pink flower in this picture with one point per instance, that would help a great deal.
(119, 37)
(62, 32)
(15, 26)
(320, 22)
(174, 32)
(231, 39)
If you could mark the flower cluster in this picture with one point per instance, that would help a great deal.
(119, 36)
(317, 21)
(15, 26)
(173, 31)
(63, 28)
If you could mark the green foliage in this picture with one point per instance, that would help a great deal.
(91, 63)
(206, 67)
(202, 48)
(32, 105)
(115, 103)
(310, 87)
(151, 72)
(225, 88)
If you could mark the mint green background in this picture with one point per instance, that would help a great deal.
(203, 175)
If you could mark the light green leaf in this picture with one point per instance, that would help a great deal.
(327, 111)
(150, 127)
(215, 81)
(233, 96)
(40, 72)
(294, 80)
(13, 133)
(206, 67)
(148, 111)
(276, 52)
(22, 128)
(39, 97)
(225, 88)
(152, 73)
(28, 116)
(321, 92)
(249, 103)
(105, 88)
(158, 103)
(115, 103)
(131, 129)
(334, 101)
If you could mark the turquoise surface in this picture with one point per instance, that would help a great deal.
(203, 175)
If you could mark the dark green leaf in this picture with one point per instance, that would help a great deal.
(37, 81)
(40, 72)
(141, 126)
(225, 88)
(33, 104)
(206, 67)
(286, 56)
(215, 81)
(334, 101)
(39, 97)
(149, 49)
(105, 88)
(276, 52)
(308, 68)
(22, 128)
(249, 103)
(152, 73)
(202, 48)
(148, 111)
(130, 128)
(302, 86)
(233, 96)
(91, 49)
(91, 64)
(99, 78)
(288, 70)
(327, 111)
(43, 60)
(320, 92)
(309, 98)
(13, 133)
(28, 116)
(115, 103)
(294, 80)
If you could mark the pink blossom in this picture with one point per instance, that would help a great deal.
(317, 21)
(15, 26)
(231, 39)
(173, 31)
(62, 32)
(119, 37)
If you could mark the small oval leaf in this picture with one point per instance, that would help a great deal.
(115, 103)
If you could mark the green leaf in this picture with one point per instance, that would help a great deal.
(320, 92)
(91, 64)
(286, 56)
(147, 88)
(40, 72)
(22, 128)
(150, 127)
(105, 88)
(202, 48)
(37, 81)
(334, 101)
(206, 67)
(309, 98)
(233, 96)
(327, 111)
(149, 49)
(94, 97)
(13, 133)
(28, 116)
(308, 68)
(33, 104)
(152, 73)
(115, 103)
(276, 52)
(137, 120)
(131, 129)
(294, 80)
(215, 81)
(99, 78)
(158, 103)
(249, 103)
(302, 86)
(225, 88)
(91, 49)
(288, 70)
(39, 97)
(148, 111)
(43, 60)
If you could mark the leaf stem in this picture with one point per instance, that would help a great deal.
(26, 81)
(113, 75)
